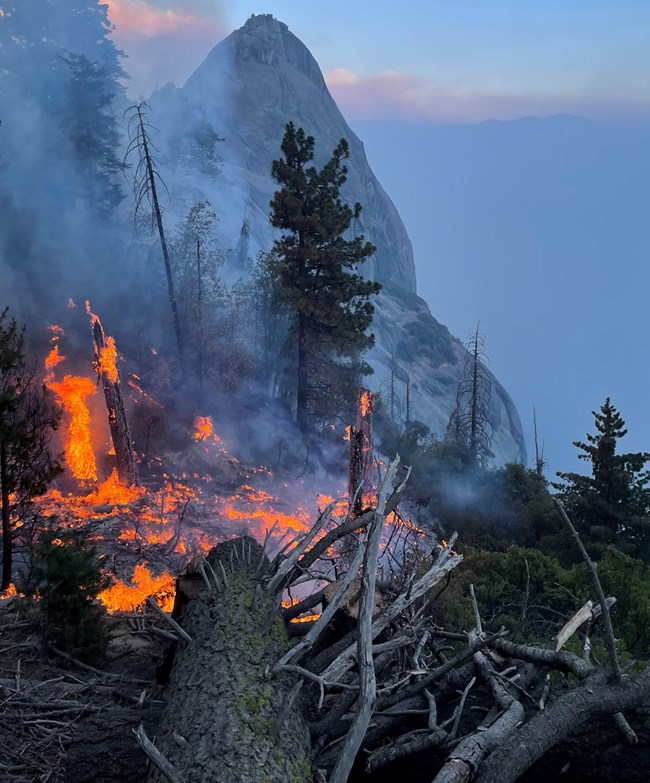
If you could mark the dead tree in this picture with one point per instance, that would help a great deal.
(145, 185)
(361, 453)
(107, 369)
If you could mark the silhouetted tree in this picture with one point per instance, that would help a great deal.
(612, 505)
(27, 419)
(469, 424)
(145, 186)
(316, 269)
(93, 130)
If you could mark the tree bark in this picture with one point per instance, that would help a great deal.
(228, 719)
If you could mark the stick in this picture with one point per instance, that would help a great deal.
(607, 619)
(180, 631)
(152, 752)
(367, 678)
(295, 653)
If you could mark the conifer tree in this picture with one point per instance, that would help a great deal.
(26, 421)
(316, 270)
(612, 505)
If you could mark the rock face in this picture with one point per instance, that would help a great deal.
(250, 85)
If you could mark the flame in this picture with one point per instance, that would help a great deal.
(112, 493)
(107, 361)
(365, 403)
(72, 392)
(203, 428)
(122, 597)
(348, 432)
(53, 358)
(10, 592)
(305, 617)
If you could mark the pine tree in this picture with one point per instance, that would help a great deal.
(316, 269)
(66, 578)
(612, 505)
(91, 93)
(26, 421)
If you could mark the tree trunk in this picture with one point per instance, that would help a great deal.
(302, 411)
(127, 468)
(151, 176)
(227, 718)
(6, 520)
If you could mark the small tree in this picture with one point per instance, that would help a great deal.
(316, 270)
(66, 578)
(27, 419)
(612, 505)
(196, 262)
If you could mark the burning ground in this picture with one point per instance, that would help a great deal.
(184, 501)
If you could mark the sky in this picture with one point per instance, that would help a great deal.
(517, 225)
(426, 60)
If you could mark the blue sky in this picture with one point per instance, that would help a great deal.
(435, 60)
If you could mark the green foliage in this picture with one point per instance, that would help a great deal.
(27, 419)
(66, 580)
(612, 505)
(93, 130)
(529, 593)
(315, 267)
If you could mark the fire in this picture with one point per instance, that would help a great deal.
(107, 362)
(72, 392)
(365, 402)
(10, 592)
(122, 597)
(53, 358)
(305, 617)
(204, 429)
(112, 493)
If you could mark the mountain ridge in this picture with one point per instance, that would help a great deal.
(247, 88)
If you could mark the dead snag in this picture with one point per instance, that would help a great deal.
(106, 366)
(223, 704)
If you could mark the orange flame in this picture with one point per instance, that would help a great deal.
(9, 592)
(107, 361)
(203, 428)
(112, 493)
(365, 403)
(53, 358)
(122, 597)
(72, 392)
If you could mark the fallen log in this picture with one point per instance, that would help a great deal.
(226, 718)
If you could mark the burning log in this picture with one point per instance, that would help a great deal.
(107, 369)
(360, 470)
